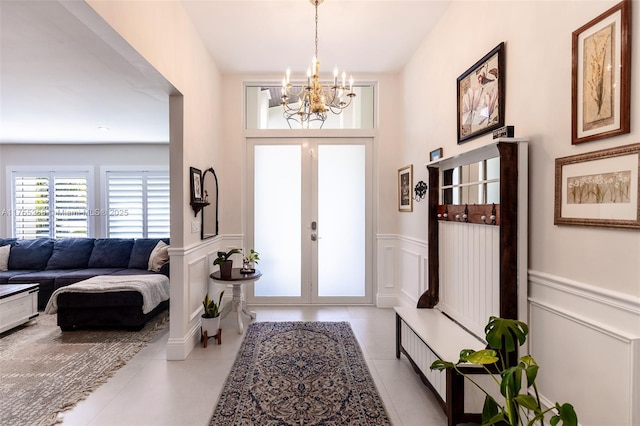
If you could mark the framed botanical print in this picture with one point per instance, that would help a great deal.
(599, 188)
(405, 186)
(481, 95)
(601, 76)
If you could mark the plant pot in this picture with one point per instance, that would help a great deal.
(225, 269)
(211, 325)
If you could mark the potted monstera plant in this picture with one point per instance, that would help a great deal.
(211, 315)
(225, 262)
(516, 380)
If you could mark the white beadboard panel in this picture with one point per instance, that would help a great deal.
(469, 273)
(587, 343)
(423, 357)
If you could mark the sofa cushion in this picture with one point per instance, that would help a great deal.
(4, 257)
(31, 254)
(71, 277)
(111, 253)
(71, 253)
(141, 251)
(7, 241)
(5, 276)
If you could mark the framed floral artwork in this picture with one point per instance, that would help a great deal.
(405, 188)
(601, 76)
(481, 94)
(599, 188)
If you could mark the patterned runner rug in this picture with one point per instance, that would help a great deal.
(299, 373)
(44, 371)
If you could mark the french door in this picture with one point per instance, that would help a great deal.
(310, 217)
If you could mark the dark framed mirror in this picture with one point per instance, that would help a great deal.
(209, 226)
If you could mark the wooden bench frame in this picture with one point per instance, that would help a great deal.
(512, 270)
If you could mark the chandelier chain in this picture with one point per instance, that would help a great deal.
(316, 2)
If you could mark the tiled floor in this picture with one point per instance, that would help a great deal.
(150, 390)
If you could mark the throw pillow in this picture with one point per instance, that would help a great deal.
(159, 256)
(4, 257)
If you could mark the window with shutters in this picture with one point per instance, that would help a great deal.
(137, 204)
(50, 204)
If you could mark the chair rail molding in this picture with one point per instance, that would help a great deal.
(581, 331)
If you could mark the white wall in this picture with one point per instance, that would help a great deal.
(163, 34)
(596, 264)
(91, 157)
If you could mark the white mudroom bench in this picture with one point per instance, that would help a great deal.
(477, 268)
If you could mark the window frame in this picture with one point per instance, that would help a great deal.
(61, 171)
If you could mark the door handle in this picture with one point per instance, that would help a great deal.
(314, 237)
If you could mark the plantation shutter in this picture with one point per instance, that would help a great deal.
(31, 206)
(50, 204)
(137, 204)
(71, 206)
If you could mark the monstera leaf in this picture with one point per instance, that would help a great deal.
(503, 333)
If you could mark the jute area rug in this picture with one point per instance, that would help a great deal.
(299, 373)
(44, 371)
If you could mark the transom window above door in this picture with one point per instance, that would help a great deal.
(263, 110)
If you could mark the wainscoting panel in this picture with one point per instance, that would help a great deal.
(401, 272)
(587, 343)
(197, 274)
(470, 273)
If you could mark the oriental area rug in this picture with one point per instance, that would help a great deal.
(299, 373)
(44, 371)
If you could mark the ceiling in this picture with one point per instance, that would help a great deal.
(62, 81)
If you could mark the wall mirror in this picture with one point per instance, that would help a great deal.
(474, 183)
(209, 226)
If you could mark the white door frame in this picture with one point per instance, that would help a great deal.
(309, 289)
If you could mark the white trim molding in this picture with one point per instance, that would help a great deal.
(587, 342)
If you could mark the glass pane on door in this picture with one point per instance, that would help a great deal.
(341, 220)
(277, 219)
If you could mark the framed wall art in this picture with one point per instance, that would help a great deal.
(601, 76)
(405, 186)
(435, 155)
(599, 188)
(195, 178)
(481, 95)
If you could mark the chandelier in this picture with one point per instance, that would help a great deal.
(312, 102)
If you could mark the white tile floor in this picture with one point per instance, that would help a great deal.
(150, 390)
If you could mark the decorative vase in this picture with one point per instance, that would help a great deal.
(210, 325)
(225, 269)
(247, 267)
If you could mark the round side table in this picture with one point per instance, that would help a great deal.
(238, 303)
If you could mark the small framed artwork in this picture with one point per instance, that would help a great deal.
(435, 155)
(480, 96)
(196, 185)
(599, 188)
(405, 186)
(601, 76)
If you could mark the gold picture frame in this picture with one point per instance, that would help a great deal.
(599, 188)
(405, 188)
(601, 76)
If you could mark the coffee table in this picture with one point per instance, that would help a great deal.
(18, 304)
(237, 304)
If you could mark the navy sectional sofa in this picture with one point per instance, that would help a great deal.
(55, 263)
